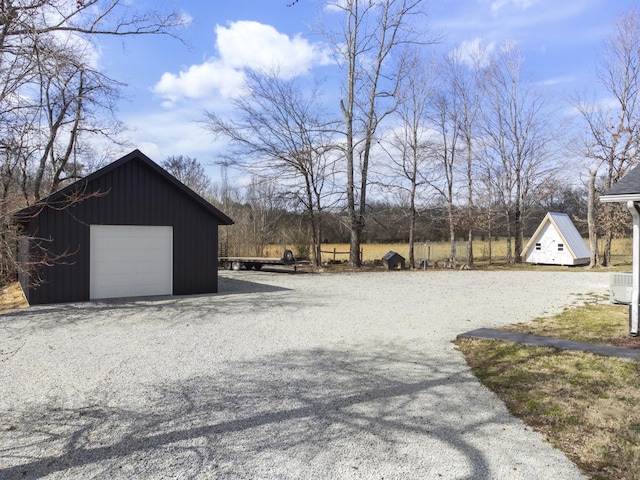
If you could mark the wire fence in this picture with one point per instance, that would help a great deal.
(494, 250)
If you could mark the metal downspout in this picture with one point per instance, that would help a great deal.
(635, 294)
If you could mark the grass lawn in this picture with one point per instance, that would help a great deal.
(437, 252)
(586, 405)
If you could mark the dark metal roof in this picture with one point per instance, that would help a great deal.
(391, 254)
(627, 188)
(27, 213)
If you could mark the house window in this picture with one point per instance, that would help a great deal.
(538, 246)
(561, 247)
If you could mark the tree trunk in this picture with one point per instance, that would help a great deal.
(470, 203)
(606, 251)
(518, 227)
(348, 112)
(452, 234)
(591, 221)
(412, 229)
(490, 244)
(354, 245)
(371, 33)
(509, 233)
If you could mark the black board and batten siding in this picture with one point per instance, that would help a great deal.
(131, 191)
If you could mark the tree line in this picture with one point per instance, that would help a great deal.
(469, 130)
(265, 215)
(462, 143)
(55, 102)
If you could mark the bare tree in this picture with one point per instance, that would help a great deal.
(486, 198)
(257, 210)
(367, 47)
(279, 132)
(258, 216)
(464, 77)
(46, 73)
(36, 29)
(190, 172)
(612, 134)
(73, 102)
(518, 134)
(594, 259)
(409, 147)
(51, 93)
(446, 122)
(30, 18)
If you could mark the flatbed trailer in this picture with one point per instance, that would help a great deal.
(256, 263)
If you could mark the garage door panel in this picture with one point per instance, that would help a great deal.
(128, 261)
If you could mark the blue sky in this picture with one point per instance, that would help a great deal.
(169, 84)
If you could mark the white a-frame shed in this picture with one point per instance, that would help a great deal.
(556, 242)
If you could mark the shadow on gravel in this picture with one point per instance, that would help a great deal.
(303, 414)
(234, 294)
(227, 285)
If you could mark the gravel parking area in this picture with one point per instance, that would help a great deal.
(301, 376)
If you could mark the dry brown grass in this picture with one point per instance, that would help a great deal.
(438, 252)
(435, 252)
(12, 298)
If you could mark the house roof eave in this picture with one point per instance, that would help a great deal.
(629, 197)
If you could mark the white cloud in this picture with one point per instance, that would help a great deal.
(523, 4)
(258, 46)
(474, 52)
(198, 81)
(336, 6)
(167, 133)
(531, 20)
(551, 82)
(242, 45)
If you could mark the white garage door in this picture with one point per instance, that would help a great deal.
(130, 261)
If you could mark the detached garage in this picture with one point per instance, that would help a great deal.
(128, 230)
(130, 260)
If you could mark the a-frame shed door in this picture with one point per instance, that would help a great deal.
(130, 261)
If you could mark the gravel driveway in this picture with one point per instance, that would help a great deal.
(305, 376)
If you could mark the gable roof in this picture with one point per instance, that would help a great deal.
(27, 213)
(391, 254)
(567, 231)
(625, 189)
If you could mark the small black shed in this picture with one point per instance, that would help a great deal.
(393, 261)
(129, 229)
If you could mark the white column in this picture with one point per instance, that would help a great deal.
(635, 294)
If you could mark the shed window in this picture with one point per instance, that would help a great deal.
(561, 247)
(538, 246)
